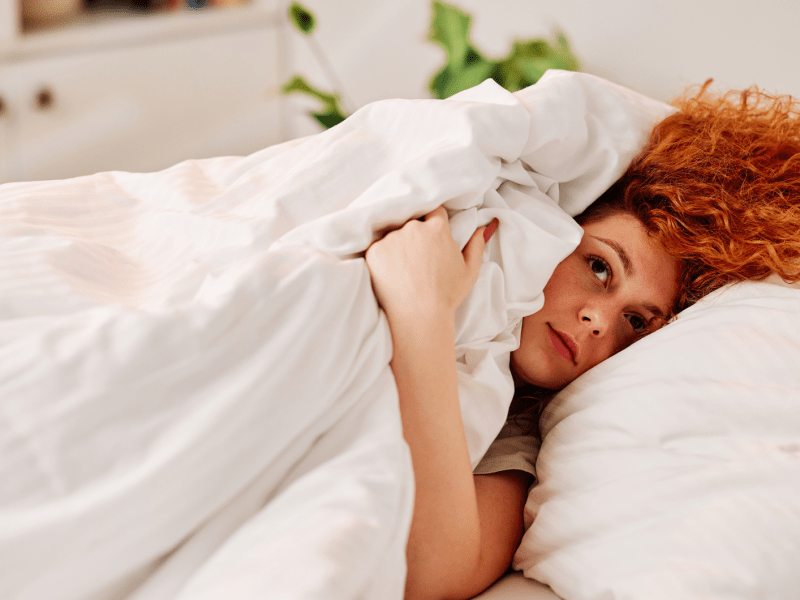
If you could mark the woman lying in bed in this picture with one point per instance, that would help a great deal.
(713, 198)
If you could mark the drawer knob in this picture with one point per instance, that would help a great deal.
(44, 99)
(2, 106)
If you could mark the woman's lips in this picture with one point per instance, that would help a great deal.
(563, 345)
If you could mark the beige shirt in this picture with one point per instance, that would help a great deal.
(512, 450)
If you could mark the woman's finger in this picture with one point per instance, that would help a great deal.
(437, 213)
(473, 251)
(490, 229)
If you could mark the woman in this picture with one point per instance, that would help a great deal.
(713, 198)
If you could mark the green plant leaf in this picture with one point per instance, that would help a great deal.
(299, 85)
(302, 18)
(529, 60)
(465, 66)
(328, 120)
(453, 79)
(450, 28)
(331, 113)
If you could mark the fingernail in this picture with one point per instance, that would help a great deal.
(489, 231)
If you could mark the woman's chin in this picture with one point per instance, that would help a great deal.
(539, 377)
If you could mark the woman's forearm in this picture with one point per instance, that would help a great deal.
(420, 277)
(444, 542)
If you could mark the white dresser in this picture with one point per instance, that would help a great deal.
(120, 90)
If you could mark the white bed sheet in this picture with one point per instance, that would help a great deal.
(515, 586)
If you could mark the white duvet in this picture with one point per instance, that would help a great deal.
(195, 393)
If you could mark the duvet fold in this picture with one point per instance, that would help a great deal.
(195, 392)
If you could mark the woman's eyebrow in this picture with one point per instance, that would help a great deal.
(623, 257)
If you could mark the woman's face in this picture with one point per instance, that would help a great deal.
(617, 285)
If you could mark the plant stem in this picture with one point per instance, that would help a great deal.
(349, 105)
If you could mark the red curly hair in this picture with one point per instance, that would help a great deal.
(718, 184)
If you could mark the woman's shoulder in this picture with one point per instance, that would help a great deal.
(512, 450)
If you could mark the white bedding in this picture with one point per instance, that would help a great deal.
(195, 397)
(514, 586)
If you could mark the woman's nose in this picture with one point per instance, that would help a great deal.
(593, 318)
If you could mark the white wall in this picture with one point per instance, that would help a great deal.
(657, 47)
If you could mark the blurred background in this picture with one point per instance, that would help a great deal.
(91, 85)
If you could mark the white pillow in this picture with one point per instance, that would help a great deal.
(672, 470)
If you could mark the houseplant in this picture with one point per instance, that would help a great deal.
(465, 66)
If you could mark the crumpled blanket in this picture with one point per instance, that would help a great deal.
(195, 392)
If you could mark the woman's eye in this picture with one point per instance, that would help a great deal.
(600, 268)
(637, 322)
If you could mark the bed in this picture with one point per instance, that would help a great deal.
(196, 402)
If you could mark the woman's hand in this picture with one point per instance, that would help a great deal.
(418, 270)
